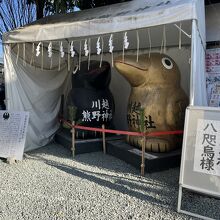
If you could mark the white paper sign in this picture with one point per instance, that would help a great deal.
(13, 129)
(207, 148)
(213, 76)
(213, 61)
(215, 95)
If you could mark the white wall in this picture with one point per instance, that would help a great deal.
(213, 22)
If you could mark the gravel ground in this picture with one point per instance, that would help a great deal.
(49, 184)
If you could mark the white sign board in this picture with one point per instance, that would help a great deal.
(200, 167)
(207, 149)
(13, 129)
(213, 76)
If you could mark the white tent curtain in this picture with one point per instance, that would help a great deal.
(29, 88)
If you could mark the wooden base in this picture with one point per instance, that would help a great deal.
(153, 161)
(82, 146)
(117, 147)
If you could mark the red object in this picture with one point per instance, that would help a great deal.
(148, 134)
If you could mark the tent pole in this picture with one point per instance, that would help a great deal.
(193, 64)
(179, 199)
(5, 76)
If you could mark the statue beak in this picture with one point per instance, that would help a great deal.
(131, 70)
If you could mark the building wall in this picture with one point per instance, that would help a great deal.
(213, 22)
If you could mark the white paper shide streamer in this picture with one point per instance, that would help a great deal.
(42, 56)
(32, 55)
(24, 54)
(86, 48)
(138, 45)
(61, 50)
(38, 49)
(89, 53)
(180, 36)
(49, 50)
(80, 53)
(110, 44)
(72, 51)
(98, 47)
(126, 43)
(150, 43)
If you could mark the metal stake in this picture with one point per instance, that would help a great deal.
(73, 139)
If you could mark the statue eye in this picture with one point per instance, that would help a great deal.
(167, 63)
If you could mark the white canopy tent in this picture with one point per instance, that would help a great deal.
(35, 83)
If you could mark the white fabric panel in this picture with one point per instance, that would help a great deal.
(104, 20)
(198, 95)
(37, 91)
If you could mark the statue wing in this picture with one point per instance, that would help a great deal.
(176, 107)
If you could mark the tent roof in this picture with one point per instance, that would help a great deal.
(136, 14)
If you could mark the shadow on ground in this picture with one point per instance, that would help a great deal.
(138, 187)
